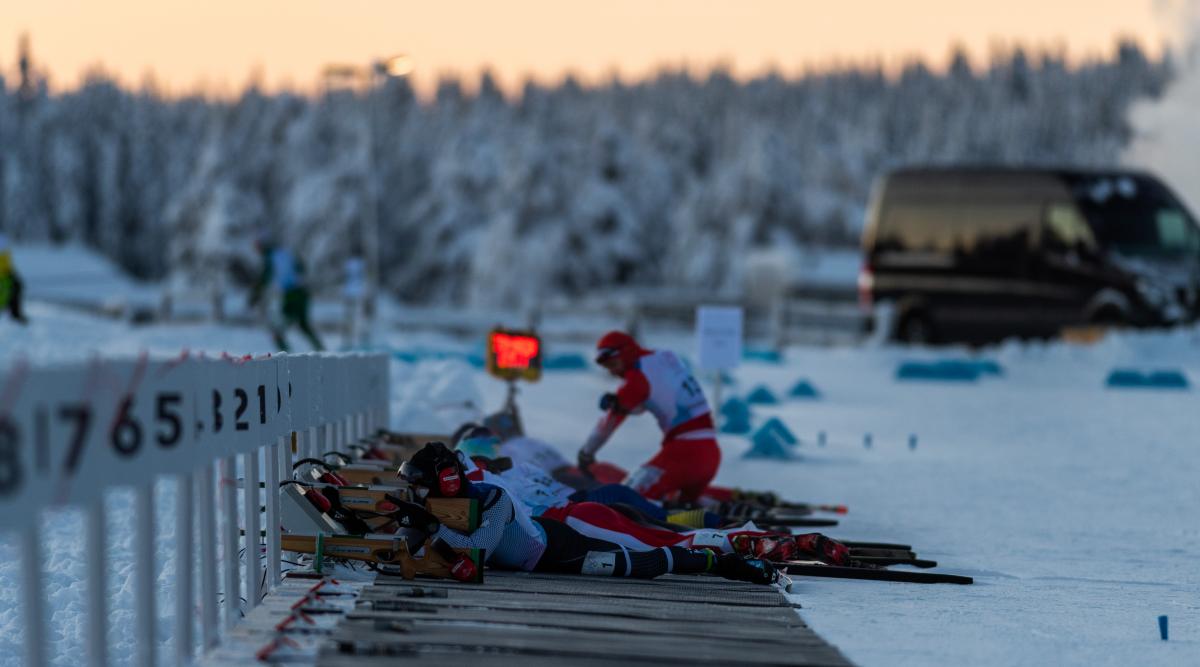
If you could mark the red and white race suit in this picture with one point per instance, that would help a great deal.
(659, 383)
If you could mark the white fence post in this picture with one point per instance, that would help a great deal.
(144, 564)
(288, 455)
(208, 556)
(97, 594)
(31, 594)
(184, 554)
(272, 527)
(250, 501)
(97, 588)
(228, 483)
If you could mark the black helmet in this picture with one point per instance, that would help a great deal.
(437, 469)
(462, 430)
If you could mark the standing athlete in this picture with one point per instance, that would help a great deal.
(657, 381)
(283, 272)
(10, 283)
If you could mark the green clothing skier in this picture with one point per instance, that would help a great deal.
(285, 274)
(10, 284)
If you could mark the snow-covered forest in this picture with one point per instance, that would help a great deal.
(481, 198)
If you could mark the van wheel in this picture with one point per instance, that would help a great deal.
(1108, 317)
(915, 329)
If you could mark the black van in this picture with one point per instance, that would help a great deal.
(980, 254)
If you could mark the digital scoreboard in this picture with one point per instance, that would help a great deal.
(514, 355)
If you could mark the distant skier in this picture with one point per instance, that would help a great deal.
(10, 283)
(659, 382)
(282, 272)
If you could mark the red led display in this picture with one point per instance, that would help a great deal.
(514, 351)
(515, 355)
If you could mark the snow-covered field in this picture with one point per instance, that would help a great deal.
(1074, 506)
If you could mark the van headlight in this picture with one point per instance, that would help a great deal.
(1153, 294)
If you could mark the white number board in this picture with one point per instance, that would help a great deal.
(67, 432)
(718, 337)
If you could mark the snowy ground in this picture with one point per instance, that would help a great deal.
(1074, 506)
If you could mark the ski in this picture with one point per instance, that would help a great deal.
(818, 569)
(884, 560)
(771, 523)
(881, 553)
(769, 500)
(876, 545)
(811, 507)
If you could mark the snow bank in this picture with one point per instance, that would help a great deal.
(77, 275)
(1071, 504)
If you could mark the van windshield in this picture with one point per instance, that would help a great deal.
(1135, 215)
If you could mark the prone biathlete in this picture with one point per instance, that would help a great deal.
(658, 382)
(619, 515)
(514, 540)
(602, 484)
(604, 522)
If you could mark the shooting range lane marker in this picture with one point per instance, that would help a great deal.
(95, 376)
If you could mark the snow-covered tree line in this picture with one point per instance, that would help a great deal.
(567, 189)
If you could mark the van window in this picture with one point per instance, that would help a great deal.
(921, 227)
(997, 229)
(1136, 216)
(1175, 232)
(1001, 228)
(1067, 230)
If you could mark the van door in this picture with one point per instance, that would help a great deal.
(1069, 266)
(994, 249)
(913, 259)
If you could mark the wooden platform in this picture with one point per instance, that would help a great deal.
(356, 617)
(529, 620)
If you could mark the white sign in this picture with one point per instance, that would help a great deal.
(26, 458)
(718, 337)
(68, 432)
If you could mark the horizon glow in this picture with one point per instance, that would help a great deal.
(222, 45)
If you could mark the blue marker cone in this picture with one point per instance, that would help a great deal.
(1162, 627)
(867, 441)
(762, 396)
(912, 441)
(821, 439)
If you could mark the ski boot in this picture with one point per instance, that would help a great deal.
(740, 568)
(829, 550)
(782, 548)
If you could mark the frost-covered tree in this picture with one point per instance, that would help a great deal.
(674, 180)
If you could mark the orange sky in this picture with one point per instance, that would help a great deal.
(219, 43)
